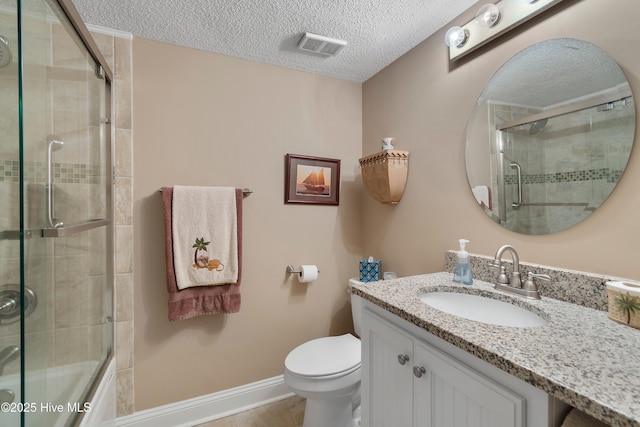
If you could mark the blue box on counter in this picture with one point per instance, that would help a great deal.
(370, 270)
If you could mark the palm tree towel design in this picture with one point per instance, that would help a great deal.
(201, 257)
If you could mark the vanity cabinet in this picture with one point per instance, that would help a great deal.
(387, 377)
(409, 381)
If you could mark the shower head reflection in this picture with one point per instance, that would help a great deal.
(536, 126)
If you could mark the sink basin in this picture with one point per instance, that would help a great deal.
(482, 309)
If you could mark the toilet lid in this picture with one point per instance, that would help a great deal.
(325, 356)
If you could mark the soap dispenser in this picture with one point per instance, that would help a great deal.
(462, 273)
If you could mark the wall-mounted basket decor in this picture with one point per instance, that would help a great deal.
(385, 175)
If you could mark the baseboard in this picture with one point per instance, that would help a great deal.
(211, 407)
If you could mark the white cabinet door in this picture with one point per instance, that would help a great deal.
(387, 361)
(448, 393)
(407, 382)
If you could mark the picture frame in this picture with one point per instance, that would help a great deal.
(312, 180)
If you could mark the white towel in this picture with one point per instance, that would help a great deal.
(482, 194)
(205, 236)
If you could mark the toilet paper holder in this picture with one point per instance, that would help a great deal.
(292, 269)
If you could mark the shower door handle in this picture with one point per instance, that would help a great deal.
(53, 144)
(516, 205)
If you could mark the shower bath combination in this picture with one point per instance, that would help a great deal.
(56, 293)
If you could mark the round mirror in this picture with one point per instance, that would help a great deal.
(550, 136)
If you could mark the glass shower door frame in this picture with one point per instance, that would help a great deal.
(31, 234)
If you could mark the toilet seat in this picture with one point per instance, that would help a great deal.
(325, 357)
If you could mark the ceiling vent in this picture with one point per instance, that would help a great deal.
(320, 44)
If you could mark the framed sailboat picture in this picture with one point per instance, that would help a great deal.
(312, 180)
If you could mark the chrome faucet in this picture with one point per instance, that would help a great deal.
(514, 284)
(514, 281)
(7, 355)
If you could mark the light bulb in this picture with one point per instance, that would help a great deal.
(456, 36)
(488, 15)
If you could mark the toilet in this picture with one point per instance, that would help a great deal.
(326, 372)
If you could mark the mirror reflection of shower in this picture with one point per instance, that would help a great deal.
(5, 52)
(537, 125)
(563, 110)
(561, 167)
(516, 166)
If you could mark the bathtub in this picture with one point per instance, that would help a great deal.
(65, 387)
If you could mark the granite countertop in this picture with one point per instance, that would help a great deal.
(580, 356)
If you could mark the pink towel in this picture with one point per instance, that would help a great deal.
(200, 300)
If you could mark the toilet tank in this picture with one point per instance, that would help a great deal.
(356, 307)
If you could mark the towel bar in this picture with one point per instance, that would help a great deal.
(246, 192)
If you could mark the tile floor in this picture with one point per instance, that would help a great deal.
(284, 413)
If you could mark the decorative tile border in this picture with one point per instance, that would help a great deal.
(608, 174)
(65, 173)
(9, 171)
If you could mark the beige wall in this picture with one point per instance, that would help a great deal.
(206, 119)
(424, 102)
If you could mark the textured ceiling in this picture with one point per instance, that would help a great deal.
(552, 72)
(377, 31)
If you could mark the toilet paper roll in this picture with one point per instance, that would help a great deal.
(308, 273)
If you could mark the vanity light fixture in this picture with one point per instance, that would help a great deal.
(488, 15)
(491, 21)
(456, 36)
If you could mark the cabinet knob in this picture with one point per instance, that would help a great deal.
(419, 371)
(403, 358)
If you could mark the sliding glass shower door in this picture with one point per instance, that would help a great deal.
(11, 271)
(558, 170)
(56, 234)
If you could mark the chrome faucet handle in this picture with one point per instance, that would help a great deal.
(502, 277)
(530, 284)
